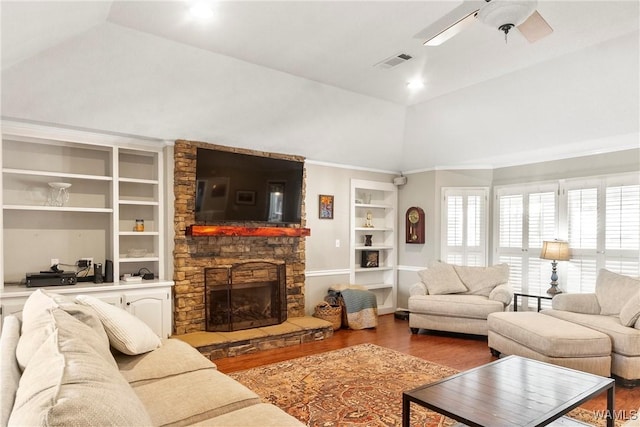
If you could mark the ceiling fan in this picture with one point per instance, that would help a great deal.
(501, 14)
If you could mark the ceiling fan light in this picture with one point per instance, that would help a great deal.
(201, 10)
(415, 84)
(498, 13)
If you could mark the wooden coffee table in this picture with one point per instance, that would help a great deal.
(510, 391)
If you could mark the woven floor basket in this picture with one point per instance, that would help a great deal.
(330, 313)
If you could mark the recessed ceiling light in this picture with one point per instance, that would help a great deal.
(201, 10)
(415, 84)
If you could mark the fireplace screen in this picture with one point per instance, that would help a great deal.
(246, 295)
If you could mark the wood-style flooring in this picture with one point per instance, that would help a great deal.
(456, 351)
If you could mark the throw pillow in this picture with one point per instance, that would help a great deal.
(126, 333)
(630, 312)
(441, 279)
(41, 300)
(482, 280)
(44, 325)
(614, 290)
(68, 383)
(36, 326)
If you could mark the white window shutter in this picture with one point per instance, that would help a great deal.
(464, 218)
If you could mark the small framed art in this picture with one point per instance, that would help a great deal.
(244, 197)
(370, 259)
(325, 203)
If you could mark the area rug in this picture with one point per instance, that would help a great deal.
(360, 385)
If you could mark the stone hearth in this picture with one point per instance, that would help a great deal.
(294, 331)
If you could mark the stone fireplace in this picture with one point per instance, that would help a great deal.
(246, 295)
(225, 246)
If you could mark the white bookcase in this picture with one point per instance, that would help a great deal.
(374, 208)
(115, 180)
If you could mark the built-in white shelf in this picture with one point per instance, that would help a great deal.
(139, 233)
(56, 208)
(115, 181)
(30, 172)
(381, 213)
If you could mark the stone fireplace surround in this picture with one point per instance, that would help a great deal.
(194, 252)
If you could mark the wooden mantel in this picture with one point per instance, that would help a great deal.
(227, 230)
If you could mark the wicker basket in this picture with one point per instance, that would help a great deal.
(329, 313)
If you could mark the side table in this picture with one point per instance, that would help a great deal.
(538, 296)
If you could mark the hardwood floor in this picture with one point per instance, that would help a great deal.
(456, 351)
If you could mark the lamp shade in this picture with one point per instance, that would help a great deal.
(497, 13)
(555, 250)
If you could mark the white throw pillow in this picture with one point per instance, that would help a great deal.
(36, 324)
(614, 290)
(127, 333)
(441, 279)
(482, 280)
(630, 312)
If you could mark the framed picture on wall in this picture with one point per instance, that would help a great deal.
(244, 197)
(370, 259)
(325, 203)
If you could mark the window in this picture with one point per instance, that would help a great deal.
(526, 217)
(464, 218)
(603, 221)
(599, 217)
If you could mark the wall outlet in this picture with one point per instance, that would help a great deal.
(54, 261)
(86, 262)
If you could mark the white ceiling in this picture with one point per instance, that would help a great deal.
(334, 43)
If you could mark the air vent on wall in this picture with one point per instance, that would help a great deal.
(393, 61)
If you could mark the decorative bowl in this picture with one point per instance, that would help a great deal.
(60, 185)
(136, 253)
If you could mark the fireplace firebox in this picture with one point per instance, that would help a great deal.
(245, 295)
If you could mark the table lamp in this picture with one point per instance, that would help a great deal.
(555, 250)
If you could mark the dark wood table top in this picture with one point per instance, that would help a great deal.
(510, 391)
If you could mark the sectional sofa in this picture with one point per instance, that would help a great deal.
(614, 310)
(595, 332)
(85, 362)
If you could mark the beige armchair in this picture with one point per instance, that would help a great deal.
(458, 298)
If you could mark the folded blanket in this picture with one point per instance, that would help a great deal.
(356, 300)
(361, 308)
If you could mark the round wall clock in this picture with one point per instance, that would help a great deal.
(415, 225)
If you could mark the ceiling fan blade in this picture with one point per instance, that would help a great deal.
(450, 24)
(535, 28)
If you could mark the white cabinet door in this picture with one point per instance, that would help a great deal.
(153, 308)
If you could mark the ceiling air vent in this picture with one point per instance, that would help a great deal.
(393, 61)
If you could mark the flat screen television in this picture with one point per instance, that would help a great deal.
(236, 187)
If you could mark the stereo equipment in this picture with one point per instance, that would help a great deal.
(97, 273)
(108, 271)
(51, 279)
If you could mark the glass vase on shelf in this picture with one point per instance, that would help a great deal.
(58, 194)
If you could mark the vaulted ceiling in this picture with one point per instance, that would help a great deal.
(300, 77)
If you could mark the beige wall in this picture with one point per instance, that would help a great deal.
(327, 264)
(597, 164)
(423, 189)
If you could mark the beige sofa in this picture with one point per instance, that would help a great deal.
(85, 362)
(614, 309)
(456, 298)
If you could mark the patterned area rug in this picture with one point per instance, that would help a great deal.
(355, 386)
